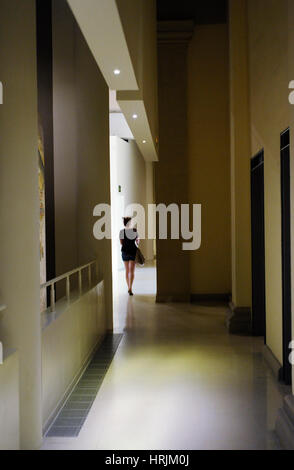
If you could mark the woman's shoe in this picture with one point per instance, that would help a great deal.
(130, 292)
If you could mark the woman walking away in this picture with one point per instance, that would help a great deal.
(129, 240)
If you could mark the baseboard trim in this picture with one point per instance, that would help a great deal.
(210, 298)
(176, 298)
(285, 423)
(239, 320)
(273, 363)
(72, 385)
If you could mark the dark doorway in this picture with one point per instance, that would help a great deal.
(258, 246)
(286, 254)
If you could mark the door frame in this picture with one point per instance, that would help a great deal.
(257, 330)
(286, 252)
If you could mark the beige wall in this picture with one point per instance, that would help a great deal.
(130, 12)
(93, 163)
(149, 65)
(130, 169)
(19, 208)
(65, 137)
(129, 172)
(209, 157)
(240, 157)
(9, 403)
(268, 59)
(138, 19)
(171, 172)
(194, 109)
(67, 344)
(81, 145)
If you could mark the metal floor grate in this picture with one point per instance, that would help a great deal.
(72, 416)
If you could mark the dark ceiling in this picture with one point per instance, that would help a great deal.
(201, 11)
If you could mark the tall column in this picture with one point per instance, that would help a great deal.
(240, 320)
(171, 172)
(19, 208)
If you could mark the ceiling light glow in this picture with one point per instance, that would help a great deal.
(116, 72)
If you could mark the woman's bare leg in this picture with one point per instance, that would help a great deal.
(132, 265)
(126, 263)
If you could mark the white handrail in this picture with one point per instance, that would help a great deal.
(67, 276)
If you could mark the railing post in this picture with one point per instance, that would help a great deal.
(52, 297)
(67, 289)
(80, 281)
(90, 275)
(96, 269)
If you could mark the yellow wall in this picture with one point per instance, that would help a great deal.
(209, 157)
(268, 59)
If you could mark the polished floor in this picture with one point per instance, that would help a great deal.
(179, 381)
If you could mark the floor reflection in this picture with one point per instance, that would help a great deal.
(180, 381)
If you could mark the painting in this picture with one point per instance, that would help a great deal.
(43, 293)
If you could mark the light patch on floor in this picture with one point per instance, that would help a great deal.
(179, 381)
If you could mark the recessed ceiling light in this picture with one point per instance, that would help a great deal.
(135, 116)
(116, 72)
(144, 141)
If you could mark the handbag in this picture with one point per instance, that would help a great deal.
(140, 257)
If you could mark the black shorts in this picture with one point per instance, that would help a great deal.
(127, 256)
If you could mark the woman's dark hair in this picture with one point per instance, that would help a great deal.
(126, 220)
